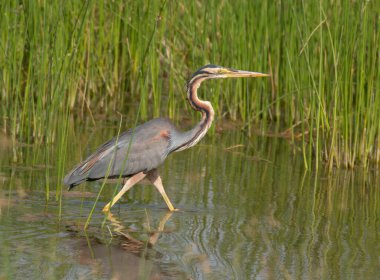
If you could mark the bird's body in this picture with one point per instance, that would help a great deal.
(141, 150)
(138, 152)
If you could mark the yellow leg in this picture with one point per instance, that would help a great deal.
(161, 226)
(157, 182)
(129, 184)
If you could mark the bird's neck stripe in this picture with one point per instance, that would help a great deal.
(204, 127)
(192, 96)
(203, 106)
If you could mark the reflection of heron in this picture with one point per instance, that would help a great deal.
(138, 152)
(131, 243)
(128, 254)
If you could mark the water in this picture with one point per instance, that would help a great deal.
(249, 210)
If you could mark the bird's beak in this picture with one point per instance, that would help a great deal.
(241, 73)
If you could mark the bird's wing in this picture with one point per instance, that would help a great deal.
(133, 153)
(142, 149)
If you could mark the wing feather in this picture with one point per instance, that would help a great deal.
(140, 150)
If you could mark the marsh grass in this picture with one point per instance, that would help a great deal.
(86, 59)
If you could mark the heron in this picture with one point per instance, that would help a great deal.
(137, 153)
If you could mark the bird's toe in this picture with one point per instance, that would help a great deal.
(106, 208)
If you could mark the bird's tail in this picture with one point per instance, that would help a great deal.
(72, 179)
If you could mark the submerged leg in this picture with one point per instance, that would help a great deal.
(128, 184)
(156, 181)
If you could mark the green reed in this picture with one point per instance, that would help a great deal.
(92, 58)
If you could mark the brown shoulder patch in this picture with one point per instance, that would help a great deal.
(165, 134)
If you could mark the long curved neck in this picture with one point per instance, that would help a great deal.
(191, 137)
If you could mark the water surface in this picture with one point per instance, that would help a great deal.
(249, 210)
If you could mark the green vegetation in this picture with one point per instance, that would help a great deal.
(82, 60)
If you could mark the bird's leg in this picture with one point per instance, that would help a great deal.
(161, 226)
(129, 184)
(155, 179)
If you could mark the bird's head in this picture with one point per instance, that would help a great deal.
(211, 71)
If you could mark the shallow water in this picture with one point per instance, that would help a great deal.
(249, 210)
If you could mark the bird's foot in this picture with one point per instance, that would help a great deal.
(106, 208)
